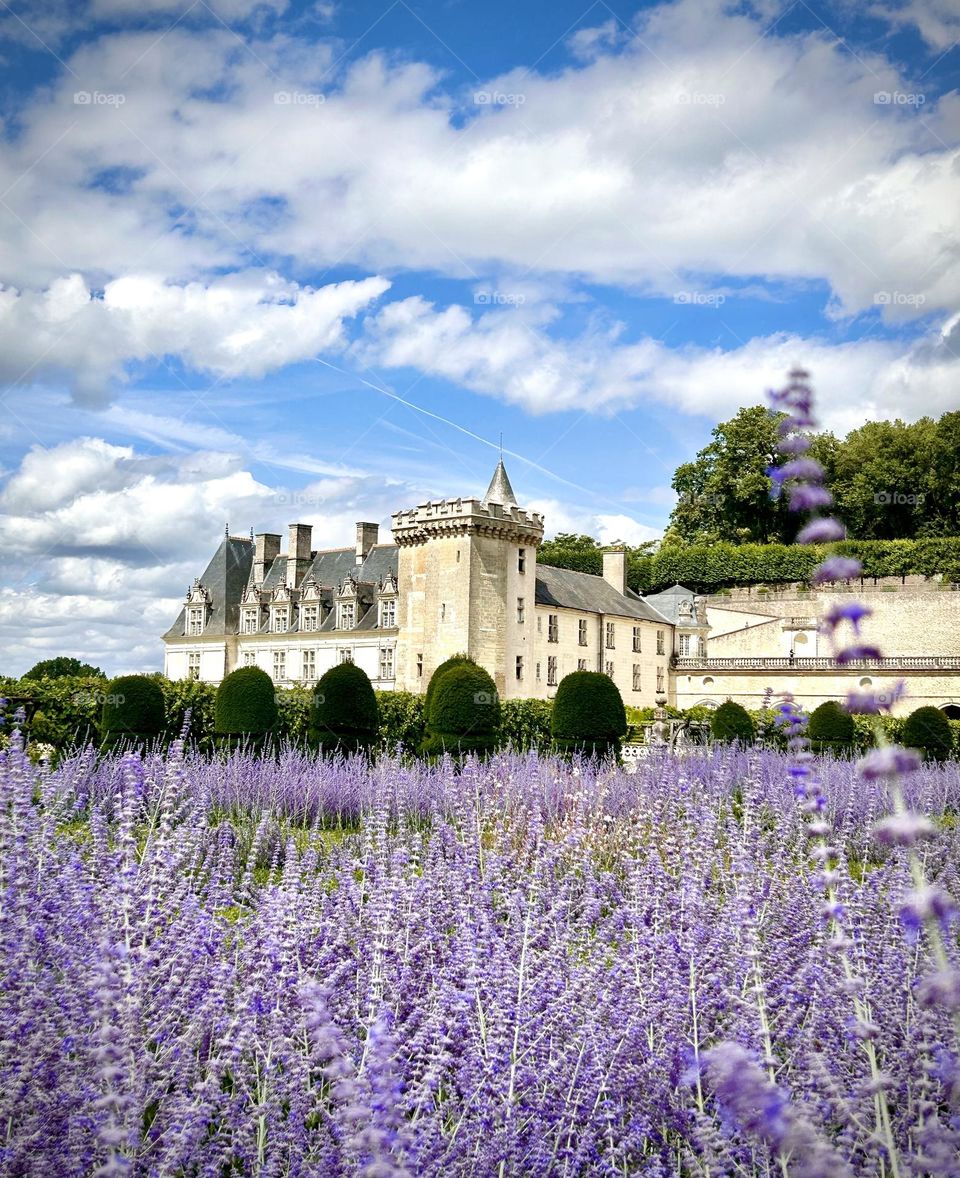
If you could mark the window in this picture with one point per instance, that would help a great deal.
(520, 610)
(581, 664)
(345, 655)
(249, 658)
(348, 615)
(193, 665)
(309, 664)
(611, 632)
(701, 647)
(636, 639)
(280, 618)
(519, 666)
(388, 613)
(684, 646)
(552, 671)
(608, 668)
(660, 647)
(522, 560)
(251, 621)
(539, 625)
(195, 619)
(279, 665)
(310, 617)
(538, 672)
(443, 611)
(659, 680)
(553, 628)
(386, 662)
(582, 631)
(419, 666)
(636, 677)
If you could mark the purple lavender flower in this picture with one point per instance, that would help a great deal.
(890, 761)
(837, 568)
(820, 531)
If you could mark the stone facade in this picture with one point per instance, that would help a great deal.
(462, 576)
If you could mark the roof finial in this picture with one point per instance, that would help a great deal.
(251, 533)
(501, 445)
(226, 530)
(500, 490)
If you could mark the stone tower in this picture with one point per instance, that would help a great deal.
(467, 576)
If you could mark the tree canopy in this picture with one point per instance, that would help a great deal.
(60, 668)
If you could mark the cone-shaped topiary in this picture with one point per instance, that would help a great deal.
(133, 711)
(464, 711)
(343, 715)
(928, 730)
(731, 722)
(588, 715)
(245, 710)
(830, 728)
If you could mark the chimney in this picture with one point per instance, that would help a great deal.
(366, 538)
(266, 549)
(298, 554)
(615, 569)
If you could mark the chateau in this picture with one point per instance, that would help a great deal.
(461, 575)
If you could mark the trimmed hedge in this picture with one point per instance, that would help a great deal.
(246, 705)
(454, 661)
(831, 728)
(133, 710)
(709, 567)
(525, 723)
(343, 716)
(463, 713)
(588, 715)
(928, 730)
(731, 722)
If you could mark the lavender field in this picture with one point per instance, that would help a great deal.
(292, 967)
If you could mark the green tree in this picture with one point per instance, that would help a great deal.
(344, 716)
(588, 715)
(731, 722)
(61, 667)
(831, 728)
(928, 730)
(463, 713)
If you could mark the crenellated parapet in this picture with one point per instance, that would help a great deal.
(466, 517)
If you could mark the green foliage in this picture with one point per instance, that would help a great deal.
(133, 709)
(63, 667)
(525, 723)
(831, 728)
(343, 715)
(463, 710)
(928, 730)
(731, 722)
(246, 704)
(588, 714)
(181, 696)
(454, 661)
(402, 719)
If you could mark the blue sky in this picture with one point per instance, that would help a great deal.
(266, 262)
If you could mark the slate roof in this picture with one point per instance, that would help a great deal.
(500, 490)
(231, 570)
(668, 601)
(225, 579)
(569, 589)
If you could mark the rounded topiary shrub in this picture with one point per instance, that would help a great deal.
(831, 728)
(731, 722)
(344, 716)
(245, 710)
(928, 730)
(453, 661)
(588, 715)
(133, 711)
(464, 711)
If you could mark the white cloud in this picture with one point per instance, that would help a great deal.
(244, 324)
(937, 21)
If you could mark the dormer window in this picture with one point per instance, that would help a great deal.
(251, 620)
(346, 615)
(281, 619)
(197, 607)
(388, 613)
(195, 619)
(310, 617)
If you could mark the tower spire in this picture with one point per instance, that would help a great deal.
(500, 490)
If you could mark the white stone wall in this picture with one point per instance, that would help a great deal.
(213, 660)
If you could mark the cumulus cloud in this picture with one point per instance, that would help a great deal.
(244, 324)
(698, 147)
(511, 355)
